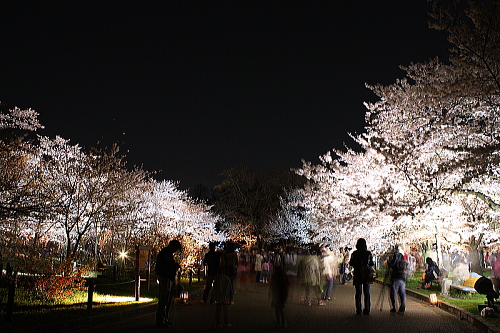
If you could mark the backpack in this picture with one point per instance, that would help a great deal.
(400, 270)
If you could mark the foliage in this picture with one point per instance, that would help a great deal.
(248, 200)
(47, 281)
(291, 226)
(429, 161)
(60, 200)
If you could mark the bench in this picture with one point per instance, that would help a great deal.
(468, 285)
(436, 281)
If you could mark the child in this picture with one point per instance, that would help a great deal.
(279, 294)
(265, 271)
(222, 295)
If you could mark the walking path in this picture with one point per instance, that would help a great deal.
(252, 312)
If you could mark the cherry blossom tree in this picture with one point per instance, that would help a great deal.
(18, 169)
(348, 197)
(431, 143)
(248, 199)
(166, 211)
(20, 119)
(291, 226)
(59, 200)
(88, 189)
(440, 125)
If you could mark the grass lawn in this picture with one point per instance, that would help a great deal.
(462, 300)
(107, 298)
(110, 297)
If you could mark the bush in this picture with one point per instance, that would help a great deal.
(46, 281)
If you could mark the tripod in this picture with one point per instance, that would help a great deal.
(380, 300)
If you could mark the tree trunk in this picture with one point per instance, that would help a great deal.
(474, 255)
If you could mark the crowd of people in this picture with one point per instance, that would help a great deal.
(307, 274)
(311, 271)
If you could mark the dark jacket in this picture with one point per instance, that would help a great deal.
(359, 258)
(397, 265)
(432, 272)
(212, 260)
(166, 265)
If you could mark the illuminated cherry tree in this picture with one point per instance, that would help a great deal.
(292, 225)
(18, 170)
(20, 119)
(166, 211)
(347, 197)
(431, 146)
(60, 200)
(88, 190)
(440, 125)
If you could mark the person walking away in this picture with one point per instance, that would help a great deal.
(258, 266)
(359, 258)
(211, 261)
(398, 269)
(222, 296)
(278, 291)
(229, 263)
(329, 266)
(166, 269)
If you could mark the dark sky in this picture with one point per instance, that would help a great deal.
(195, 87)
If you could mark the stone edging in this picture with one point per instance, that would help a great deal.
(475, 320)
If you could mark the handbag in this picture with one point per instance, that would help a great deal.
(368, 273)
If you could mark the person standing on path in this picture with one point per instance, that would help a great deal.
(278, 292)
(344, 269)
(166, 270)
(229, 263)
(359, 258)
(212, 263)
(258, 266)
(265, 271)
(222, 296)
(329, 266)
(398, 267)
(309, 275)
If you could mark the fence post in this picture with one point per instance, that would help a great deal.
(10, 298)
(137, 288)
(90, 294)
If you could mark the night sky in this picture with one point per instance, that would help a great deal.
(195, 87)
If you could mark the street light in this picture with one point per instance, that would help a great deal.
(123, 255)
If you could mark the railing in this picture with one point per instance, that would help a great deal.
(10, 278)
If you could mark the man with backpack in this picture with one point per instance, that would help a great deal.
(397, 267)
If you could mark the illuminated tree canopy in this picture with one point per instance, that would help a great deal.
(429, 159)
(59, 200)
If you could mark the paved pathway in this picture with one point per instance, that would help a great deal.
(252, 312)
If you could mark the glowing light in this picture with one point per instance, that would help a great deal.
(184, 297)
(433, 299)
(118, 299)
